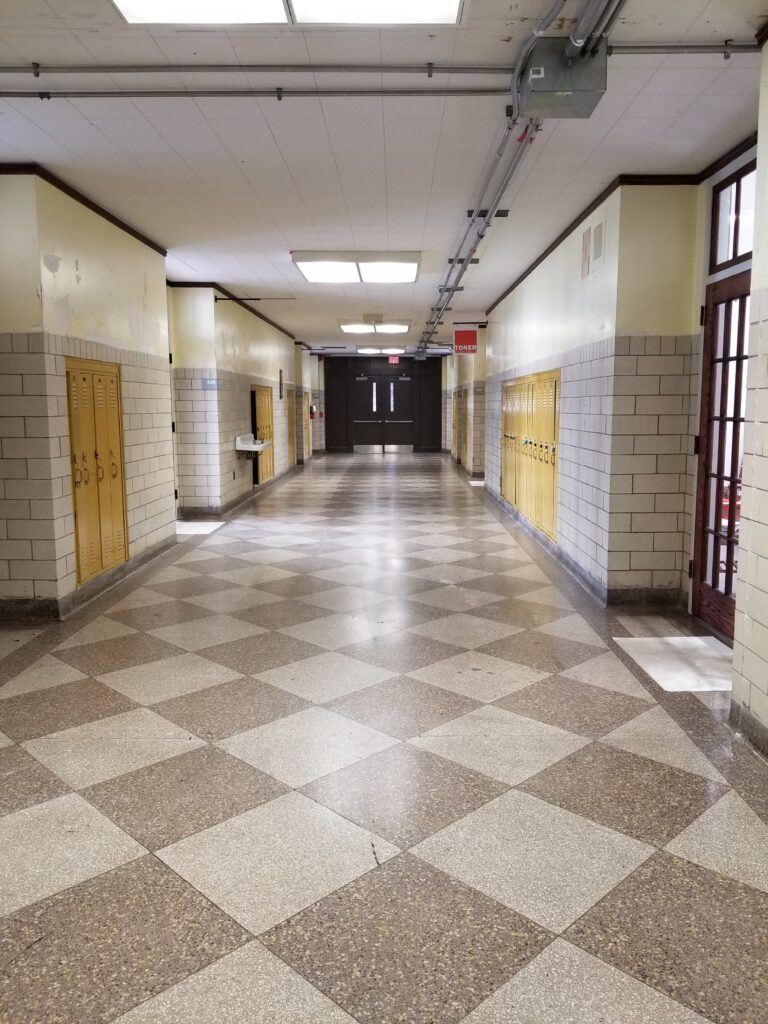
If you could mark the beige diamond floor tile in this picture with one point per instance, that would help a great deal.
(506, 850)
(163, 680)
(102, 628)
(325, 677)
(543, 595)
(654, 734)
(142, 597)
(25, 781)
(206, 632)
(337, 631)
(101, 750)
(499, 744)
(235, 600)
(249, 986)
(565, 985)
(253, 575)
(572, 627)
(464, 630)
(41, 675)
(305, 746)
(479, 676)
(56, 844)
(455, 599)
(729, 838)
(608, 671)
(267, 864)
(343, 599)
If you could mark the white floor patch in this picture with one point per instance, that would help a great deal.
(682, 664)
(189, 526)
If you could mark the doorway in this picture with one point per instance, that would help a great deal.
(292, 454)
(721, 452)
(262, 423)
(383, 413)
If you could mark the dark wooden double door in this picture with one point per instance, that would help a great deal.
(383, 411)
(721, 452)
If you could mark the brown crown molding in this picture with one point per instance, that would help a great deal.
(762, 34)
(230, 295)
(39, 171)
(627, 179)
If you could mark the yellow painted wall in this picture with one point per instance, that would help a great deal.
(192, 327)
(303, 368)
(555, 309)
(659, 280)
(247, 345)
(99, 283)
(21, 307)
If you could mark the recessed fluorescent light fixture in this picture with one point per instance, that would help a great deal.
(353, 267)
(377, 12)
(202, 12)
(369, 351)
(389, 271)
(357, 328)
(392, 328)
(393, 351)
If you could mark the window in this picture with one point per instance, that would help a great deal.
(733, 219)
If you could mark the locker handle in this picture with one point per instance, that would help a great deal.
(99, 472)
(78, 477)
(86, 475)
(114, 471)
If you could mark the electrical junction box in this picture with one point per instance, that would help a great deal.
(551, 87)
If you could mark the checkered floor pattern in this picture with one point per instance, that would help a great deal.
(366, 753)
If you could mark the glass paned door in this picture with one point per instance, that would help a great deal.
(721, 454)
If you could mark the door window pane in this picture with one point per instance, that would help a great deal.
(726, 223)
(747, 213)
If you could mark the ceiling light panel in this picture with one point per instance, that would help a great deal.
(377, 12)
(357, 328)
(392, 328)
(393, 351)
(329, 271)
(389, 272)
(202, 12)
(369, 351)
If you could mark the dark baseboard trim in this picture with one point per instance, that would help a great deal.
(745, 722)
(208, 512)
(651, 597)
(30, 610)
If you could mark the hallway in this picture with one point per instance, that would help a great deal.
(367, 753)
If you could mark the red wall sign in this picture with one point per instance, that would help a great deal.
(394, 359)
(464, 340)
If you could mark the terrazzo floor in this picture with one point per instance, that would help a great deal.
(366, 753)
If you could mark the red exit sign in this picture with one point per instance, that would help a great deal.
(394, 360)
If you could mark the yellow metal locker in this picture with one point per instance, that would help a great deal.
(454, 425)
(96, 453)
(307, 428)
(291, 428)
(464, 427)
(529, 448)
(265, 431)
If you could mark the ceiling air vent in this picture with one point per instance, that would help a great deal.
(598, 246)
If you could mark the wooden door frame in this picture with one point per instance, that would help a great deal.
(711, 610)
(99, 366)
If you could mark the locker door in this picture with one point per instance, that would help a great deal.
(265, 432)
(454, 425)
(548, 394)
(109, 468)
(508, 446)
(85, 496)
(464, 427)
(307, 428)
(291, 428)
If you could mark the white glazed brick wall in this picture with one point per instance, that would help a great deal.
(37, 527)
(317, 426)
(210, 473)
(750, 651)
(447, 419)
(623, 475)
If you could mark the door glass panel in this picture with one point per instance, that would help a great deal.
(717, 385)
(727, 447)
(733, 341)
(719, 329)
(391, 396)
(726, 221)
(747, 213)
(373, 399)
(731, 397)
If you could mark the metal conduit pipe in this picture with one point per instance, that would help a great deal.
(726, 48)
(274, 93)
(313, 69)
(584, 27)
(604, 24)
(461, 267)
